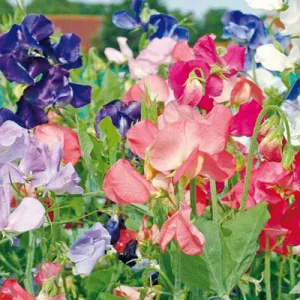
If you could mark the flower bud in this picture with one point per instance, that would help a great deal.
(288, 156)
(268, 126)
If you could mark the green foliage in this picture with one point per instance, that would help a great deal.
(228, 253)
(5, 8)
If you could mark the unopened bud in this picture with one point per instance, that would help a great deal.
(288, 156)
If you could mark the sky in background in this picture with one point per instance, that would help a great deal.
(197, 6)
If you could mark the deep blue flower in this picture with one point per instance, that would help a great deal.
(244, 29)
(167, 26)
(8, 115)
(295, 91)
(122, 115)
(112, 226)
(123, 19)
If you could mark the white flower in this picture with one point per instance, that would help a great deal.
(291, 18)
(272, 59)
(119, 57)
(268, 5)
(265, 80)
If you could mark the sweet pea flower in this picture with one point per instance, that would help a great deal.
(119, 57)
(153, 86)
(291, 18)
(122, 115)
(28, 215)
(47, 270)
(179, 227)
(158, 52)
(120, 191)
(130, 293)
(268, 5)
(244, 28)
(272, 59)
(50, 134)
(12, 290)
(89, 248)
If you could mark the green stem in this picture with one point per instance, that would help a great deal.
(253, 147)
(177, 284)
(214, 199)
(292, 274)
(193, 196)
(43, 242)
(30, 258)
(10, 266)
(268, 272)
(163, 275)
(280, 279)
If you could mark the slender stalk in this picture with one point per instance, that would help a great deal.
(253, 146)
(30, 257)
(268, 272)
(280, 279)
(177, 284)
(10, 266)
(193, 196)
(214, 199)
(292, 274)
(43, 242)
(163, 275)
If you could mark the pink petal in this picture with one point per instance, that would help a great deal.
(46, 271)
(141, 136)
(228, 84)
(168, 232)
(214, 86)
(191, 241)
(27, 216)
(114, 55)
(182, 52)
(234, 59)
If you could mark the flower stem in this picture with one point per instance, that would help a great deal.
(280, 279)
(292, 274)
(268, 272)
(253, 147)
(214, 199)
(30, 257)
(177, 285)
(193, 196)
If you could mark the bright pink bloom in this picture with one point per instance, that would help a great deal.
(179, 227)
(245, 90)
(228, 86)
(130, 293)
(270, 148)
(154, 86)
(126, 236)
(243, 122)
(12, 290)
(47, 270)
(202, 200)
(157, 53)
(133, 188)
(51, 134)
(141, 136)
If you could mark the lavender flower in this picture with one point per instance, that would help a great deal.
(89, 248)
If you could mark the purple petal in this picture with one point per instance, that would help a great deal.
(65, 181)
(6, 114)
(31, 114)
(10, 173)
(36, 66)
(27, 216)
(13, 141)
(123, 19)
(38, 26)
(9, 40)
(6, 194)
(136, 7)
(81, 95)
(295, 91)
(13, 70)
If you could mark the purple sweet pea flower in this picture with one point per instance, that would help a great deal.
(6, 115)
(29, 215)
(89, 248)
(53, 177)
(13, 141)
(122, 115)
(244, 29)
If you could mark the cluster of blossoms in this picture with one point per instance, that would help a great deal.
(197, 169)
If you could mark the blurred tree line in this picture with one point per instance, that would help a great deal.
(209, 23)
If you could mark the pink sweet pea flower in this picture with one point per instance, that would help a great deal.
(130, 293)
(50, 134)
(155, 86)
(12, 290)
(245, 90)
(157, 53)
(243, 122)
(182, 52)
(47, 270)
(135, 189)
(141, 136)
(179, 227)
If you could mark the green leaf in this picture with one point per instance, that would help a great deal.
(240, 239)
(228, 253)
